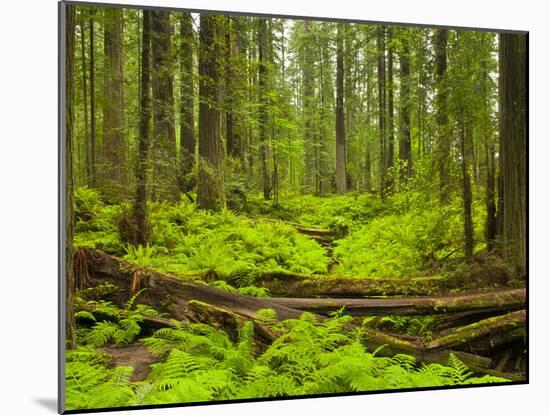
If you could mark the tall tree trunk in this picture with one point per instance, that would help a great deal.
(114, 139)
(93, 151)
(513, 143)
(340, 128)
(210, 191)
(391, 125)
(238, 81)
(70, 11)
(187, 107)
(164, 131)
(491, 221)
(310, 173)
(381, 48)
(442, 117)
(490, 206)
(405, 147)
(228, 93)
(264, 102)
(325, 92)
(140, 204)
(85, 99)
(466, 191)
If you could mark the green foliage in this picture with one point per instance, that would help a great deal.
(91, 384)
(199, 363)
(96, 222)
(123, 326)
(406, 243)
(411, 325)
(185, 239)
(337, 212)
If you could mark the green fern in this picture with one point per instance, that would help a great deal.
(460, 372)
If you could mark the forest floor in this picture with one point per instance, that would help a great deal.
(315, 295)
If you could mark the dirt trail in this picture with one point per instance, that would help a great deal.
(135, 355)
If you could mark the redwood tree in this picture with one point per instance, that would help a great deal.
(210, 191)
(405, 148)
(264, 103)
(381, 49)
(513, 147)
(164, 132)
(187, 107)
(69, 174)
(114, 169)
(340, 128)
(442, 116)
(140, 204)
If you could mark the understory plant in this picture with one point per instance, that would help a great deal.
(198, 362)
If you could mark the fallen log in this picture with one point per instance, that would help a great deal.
(198, 313)
(508, 328)
(488, 301)
(195, 301)
(290, 284)
(169, 294)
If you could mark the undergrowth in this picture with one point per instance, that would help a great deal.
(199, 363)
(405, 244)
(185, 239)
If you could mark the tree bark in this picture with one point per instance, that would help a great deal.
(263, 104)
(93, 151)
(491, 221)
(466, 193)
(390, 127)
(210, 192)
(513, 147)
(310, 156)
(85, 98)
(340, 127)
(405, 147)
(114, 169)
(442, 117)
(490, 301)
(140, 204)
(290, 284)
(170, 294)
(381, 48)
(70, 323)
(164, 131)
(187, 104)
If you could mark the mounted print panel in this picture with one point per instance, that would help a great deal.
(271, 207)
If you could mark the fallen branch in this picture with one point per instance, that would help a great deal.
(488, 301)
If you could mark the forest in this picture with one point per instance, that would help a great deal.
(268, 207)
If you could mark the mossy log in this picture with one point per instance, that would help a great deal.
(291, 284)
(169, 294)
(225, 319)
(195, 301)
(488, 301)
(492, 333)
(497, 330)
(198, 312)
